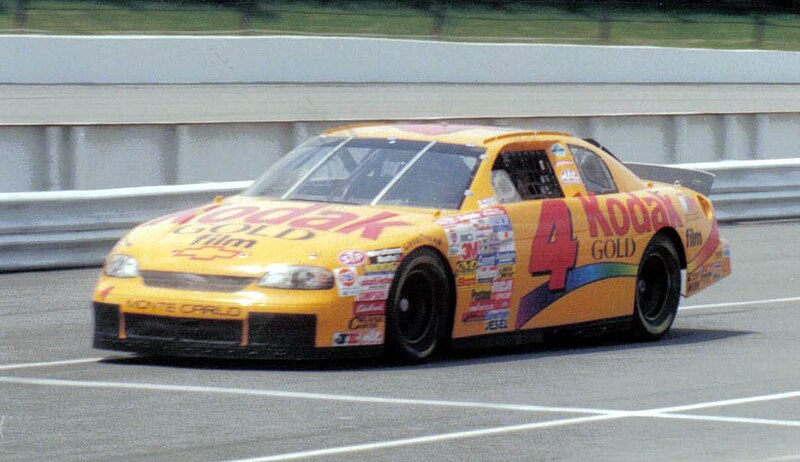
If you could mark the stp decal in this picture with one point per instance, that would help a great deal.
(351, 257)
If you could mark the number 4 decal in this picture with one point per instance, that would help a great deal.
(554, 249)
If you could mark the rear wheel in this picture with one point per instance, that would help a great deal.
(658, 286)
(418, 304)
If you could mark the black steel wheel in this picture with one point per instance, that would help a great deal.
(417, 307)
(658, 289)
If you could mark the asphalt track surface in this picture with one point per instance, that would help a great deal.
(724, 385)
(182, 104)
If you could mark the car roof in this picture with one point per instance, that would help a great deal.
(479, 135)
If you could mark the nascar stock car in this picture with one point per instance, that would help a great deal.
(403, 238)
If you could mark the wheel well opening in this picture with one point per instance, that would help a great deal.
(673, 236)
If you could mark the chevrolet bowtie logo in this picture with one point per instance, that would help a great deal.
(207, 253)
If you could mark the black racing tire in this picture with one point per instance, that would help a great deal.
(658, 290)
(416, 323)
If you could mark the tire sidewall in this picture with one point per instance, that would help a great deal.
(396, 344)
(662, 247)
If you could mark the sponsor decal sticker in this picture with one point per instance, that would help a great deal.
(486, 273)
(366, 322)
(466, 266)
(487, 202)
(569, 176)
(369, 308)
(372, 295)
(390, 267)
(346, 281)
(372, 282)
(467, 279)
(558, 150)
(369, 337)
(351, 257)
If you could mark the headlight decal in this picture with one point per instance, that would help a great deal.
(121, 266)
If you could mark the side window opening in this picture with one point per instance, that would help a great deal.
(530, 174)
(594, 171)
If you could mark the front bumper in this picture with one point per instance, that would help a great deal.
(258, 336)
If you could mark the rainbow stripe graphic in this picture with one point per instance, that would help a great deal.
(535, 301)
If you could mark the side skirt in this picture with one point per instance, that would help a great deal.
(523, 337)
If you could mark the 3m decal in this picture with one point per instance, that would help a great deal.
(543, 296)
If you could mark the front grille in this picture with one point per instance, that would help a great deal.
(283, 330)
(192, 281)
(200, 330)
(106, 319)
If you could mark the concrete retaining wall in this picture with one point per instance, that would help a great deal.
(165, 60)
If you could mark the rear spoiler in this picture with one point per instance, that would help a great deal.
(696, 180)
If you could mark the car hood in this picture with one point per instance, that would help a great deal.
(240, 235)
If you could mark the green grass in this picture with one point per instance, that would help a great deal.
(375, 18)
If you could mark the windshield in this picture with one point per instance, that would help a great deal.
(372, 171)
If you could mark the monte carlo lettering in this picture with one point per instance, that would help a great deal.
(281, 222)
(615, 217)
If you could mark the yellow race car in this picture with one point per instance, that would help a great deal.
(403, 238)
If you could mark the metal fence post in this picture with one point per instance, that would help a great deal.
(759, 30)
(605, 27)
(21, 14)
(439, 11)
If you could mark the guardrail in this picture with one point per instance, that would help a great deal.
(58, 229)
(77, 228)
(754, 190)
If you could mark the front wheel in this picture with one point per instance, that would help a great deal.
(417, 307)
(658, 287)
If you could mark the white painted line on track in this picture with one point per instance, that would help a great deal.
(302, 395)
(715, 418)
(598, 414)
(427, 439)
(67, 362)
(726, 402)
(652, 413)
(784, 458)
(732, 304)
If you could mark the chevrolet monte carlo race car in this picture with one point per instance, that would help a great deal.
(402, 238)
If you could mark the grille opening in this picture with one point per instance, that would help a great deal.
(193, 281)
(106, 319)
(283, 330)
(198, 330)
